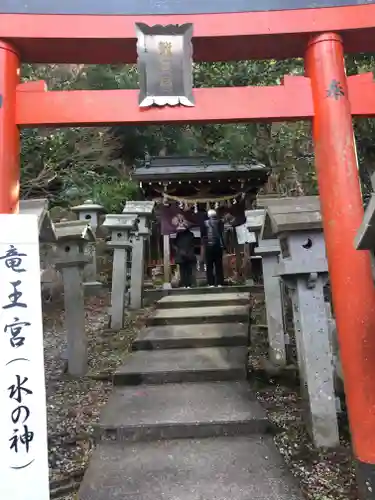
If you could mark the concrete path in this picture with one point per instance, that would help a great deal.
(198, 315)
(225, 468)
(190, 336)
(183, 365)
(206, 300)
(182, 422)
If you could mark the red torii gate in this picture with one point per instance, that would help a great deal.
(77, 33)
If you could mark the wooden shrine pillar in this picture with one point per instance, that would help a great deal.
(9, 134)
(350, 270)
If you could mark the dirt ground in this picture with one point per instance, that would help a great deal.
(323, 474)
(74, 405)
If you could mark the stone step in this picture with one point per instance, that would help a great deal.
(195, 315)
(235, 468)
(253, 289)
(183, 365)
(191, 336)
(175, 411)
(206, 300)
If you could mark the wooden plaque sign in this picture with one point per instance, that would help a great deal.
(165, 65)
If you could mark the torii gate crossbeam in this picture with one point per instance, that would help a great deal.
(292, 100)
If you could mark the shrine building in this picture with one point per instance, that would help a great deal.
(190, 186)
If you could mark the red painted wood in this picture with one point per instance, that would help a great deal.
(234, 104)
(9, 135)
(32, 86)
(350, 270)
(362, 95)
(291, 101)
(247, 35)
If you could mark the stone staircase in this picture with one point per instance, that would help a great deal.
(182, 422)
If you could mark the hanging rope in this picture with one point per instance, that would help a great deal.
(193, 201)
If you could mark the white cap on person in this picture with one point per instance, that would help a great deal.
(211, 213)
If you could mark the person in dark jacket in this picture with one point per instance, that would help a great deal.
(185, 256)
(212, 234)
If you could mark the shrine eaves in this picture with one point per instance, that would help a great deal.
(156, 7)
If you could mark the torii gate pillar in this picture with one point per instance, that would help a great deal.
(9, 134)
(350, 270)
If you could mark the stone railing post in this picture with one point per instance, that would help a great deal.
(269, 250)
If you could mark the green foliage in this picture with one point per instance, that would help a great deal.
(69, 165)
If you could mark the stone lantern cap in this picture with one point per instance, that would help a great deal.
(139, 207)
(266, 200)
(255, 219)
(300, 213)
(365, 237)
(74, 230)
(121, 221)
(39, 207)
(89, 206)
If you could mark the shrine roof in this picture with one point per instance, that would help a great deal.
(74, 230)
(172, 168)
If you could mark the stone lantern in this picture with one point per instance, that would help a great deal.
(72, 238)
(90, 212)
(144, 210)
(303, 266)
(122, 228)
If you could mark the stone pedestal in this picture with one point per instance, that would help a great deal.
(291, 286)
(71, 259)
(167, 284)
(305, 271)
(122, 227)
(339, 378)
(269, 250)
(89, 213)
(316, 360)
(137, 273)
(119, 286)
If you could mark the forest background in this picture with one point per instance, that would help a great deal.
(70, 165)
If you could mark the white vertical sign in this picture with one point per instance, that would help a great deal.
(23, 422)
(244, 235)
